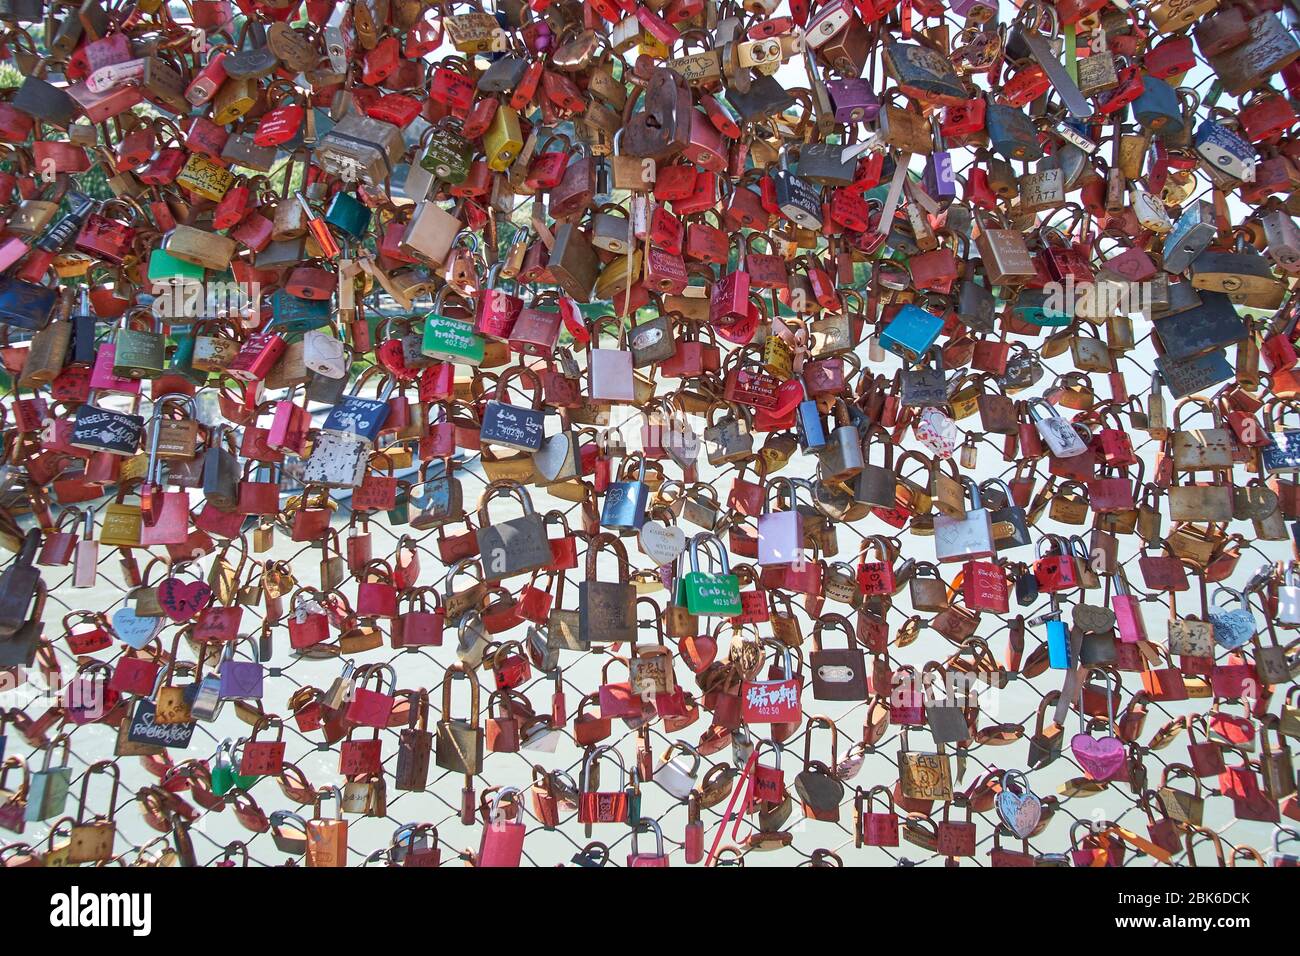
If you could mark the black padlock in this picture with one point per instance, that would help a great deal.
(799, 200)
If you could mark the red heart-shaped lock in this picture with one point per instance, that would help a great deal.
(698, 652)
(181, 600)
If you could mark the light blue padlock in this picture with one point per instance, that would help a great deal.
(1058, 638)
(811, 428)
(911, 332)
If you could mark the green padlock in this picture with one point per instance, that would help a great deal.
(446, 153)
(704, 592)
(165, 267)
(222, 773)
(450, 340)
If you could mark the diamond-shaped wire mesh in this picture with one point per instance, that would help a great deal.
(1016, 706)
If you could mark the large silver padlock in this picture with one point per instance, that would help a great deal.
(966, 538)
(1233, 627)
(1060, 436)
(678, 770)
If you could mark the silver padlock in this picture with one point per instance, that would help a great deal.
(841, 458)
(966, 538)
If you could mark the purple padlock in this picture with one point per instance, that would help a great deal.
(240, 680)
(975, 12)
(539, 40)
(938, 180)
(854, 100)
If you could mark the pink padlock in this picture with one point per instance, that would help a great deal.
(289, 425)
(1128, 613)
(658, 857)
(376, 594)
(502, 844)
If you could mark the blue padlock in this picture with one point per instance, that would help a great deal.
(1058, 645)
(360, 416)
(911, 332)
(1158, 109)
(1012, 133)
(810, 426)
(1224, 150)
(625, 501)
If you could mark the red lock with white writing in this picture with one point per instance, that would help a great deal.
(984, 586)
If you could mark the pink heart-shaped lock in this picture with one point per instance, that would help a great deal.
(1100, 757)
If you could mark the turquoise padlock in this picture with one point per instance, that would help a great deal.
(1058, 639)
(911, 332)
(349, 215)
(182, 362)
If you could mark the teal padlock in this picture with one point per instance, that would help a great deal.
(1038, 307)
(182, 361)
(290, 314)
(349, 215)
(400, 513)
